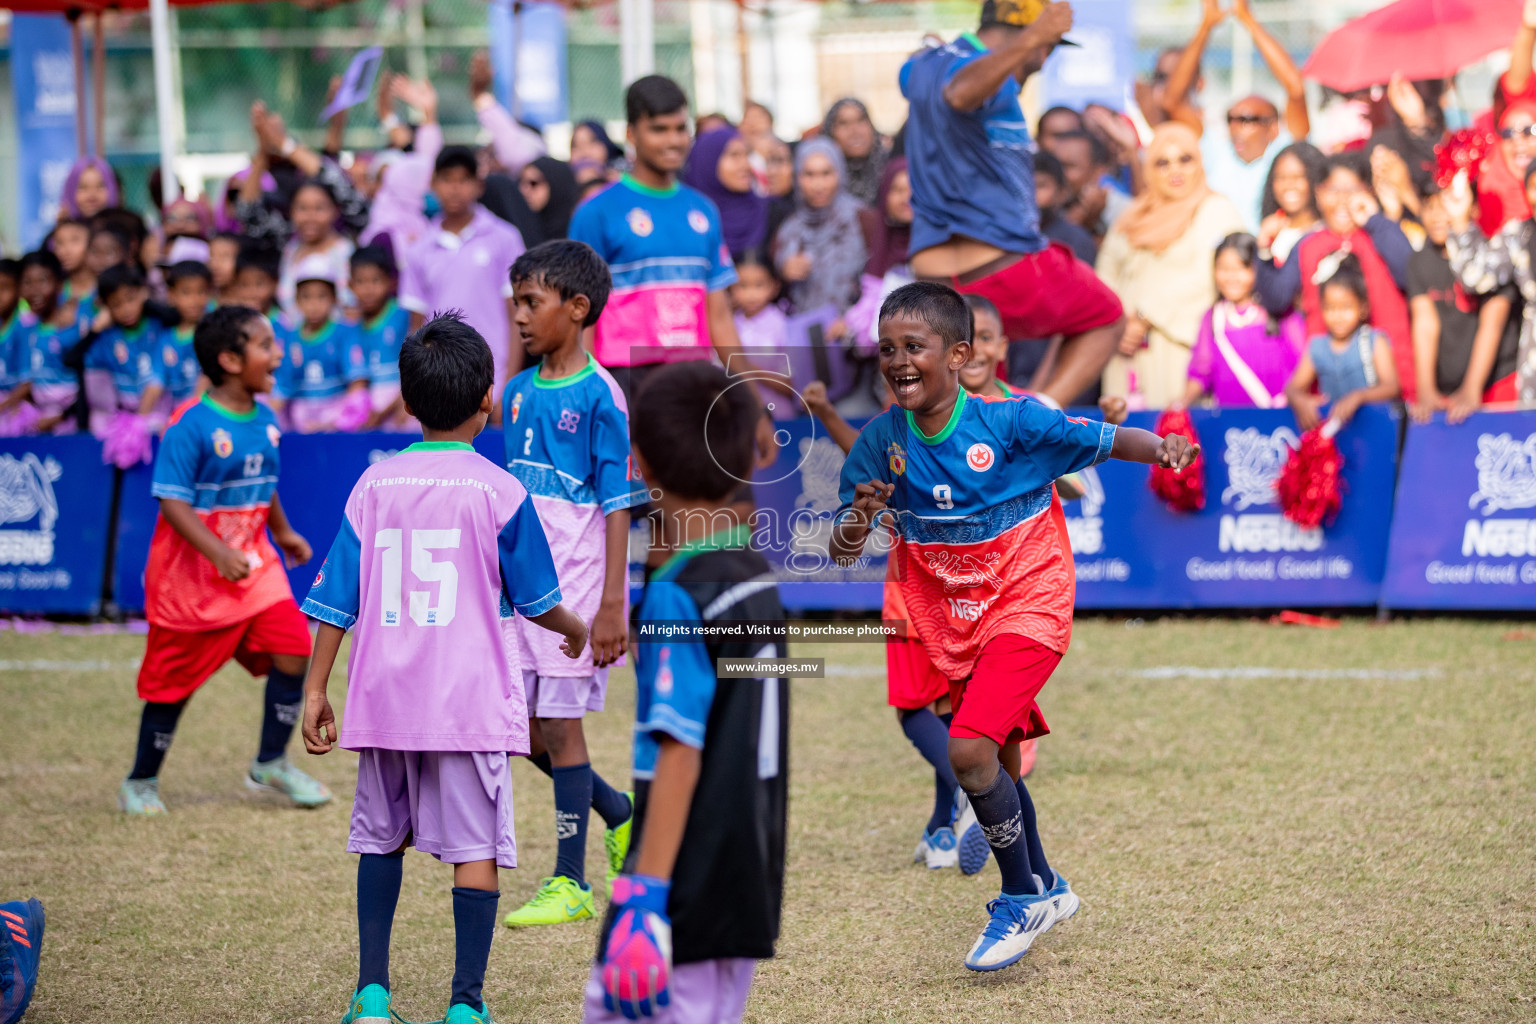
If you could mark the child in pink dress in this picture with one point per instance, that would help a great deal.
(1242, 358)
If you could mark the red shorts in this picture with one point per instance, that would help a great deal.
(177, 662)
(1506, 389)
(998, 701)
(912, 682)
(1047, 293)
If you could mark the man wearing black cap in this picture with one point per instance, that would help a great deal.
(977, 225)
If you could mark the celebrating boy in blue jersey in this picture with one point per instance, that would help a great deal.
(567, 433)
(985, 569)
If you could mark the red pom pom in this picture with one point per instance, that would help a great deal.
(1310, 487)
(1463, 151)
(1184, 492)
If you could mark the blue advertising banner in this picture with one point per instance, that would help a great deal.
(1464, 531)
(318, 472)
(1101, 68)
(55, 500)
(43, 83)
(528, 53)
(1239, 551)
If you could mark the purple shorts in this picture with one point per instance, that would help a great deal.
(565, 696)
(705, 992)
(455, 806)
(54, 400)
(314, 415)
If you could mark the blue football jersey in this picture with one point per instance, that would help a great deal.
(320, 365)
(131, 356)
(381, 338)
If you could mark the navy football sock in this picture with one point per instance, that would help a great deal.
(1001, 819)
(573, 799)
(1037, 862)
(378, 890)
(284, 704)
(474, 924)
(611, 805)
(156, 728)
(930, 735)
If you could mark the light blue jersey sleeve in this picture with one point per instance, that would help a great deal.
(617, 487)
(1060, 444)
(864, 463)
(676, 678)
(335, 595)
(176, 464)
(527, 568)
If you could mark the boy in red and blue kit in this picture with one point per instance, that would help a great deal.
(985, 569)
(214, 587)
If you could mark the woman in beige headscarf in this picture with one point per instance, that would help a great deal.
(1158, 258)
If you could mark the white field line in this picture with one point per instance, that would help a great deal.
(46, 665)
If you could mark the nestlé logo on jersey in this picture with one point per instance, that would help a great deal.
(1254, 460)
(26, 494)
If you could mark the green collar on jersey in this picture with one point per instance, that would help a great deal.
(646, 190)
(974, 40)
(389, 307)
(949, 428)
(734, 537)
(438, 446)
(228, 413)
(184, 333)
(318, 336)
(540, 381)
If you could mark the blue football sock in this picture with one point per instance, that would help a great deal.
(1037, 862)
(1001, 819)
(474, 924)
(543, 763)
(281, 710)
(611, 805)
(156, 728)
(378, 890)
(930, 735)
(573, 800)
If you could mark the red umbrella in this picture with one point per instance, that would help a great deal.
(1419, 39)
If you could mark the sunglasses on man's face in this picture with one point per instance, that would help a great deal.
(1515, 133)
(1249, 120)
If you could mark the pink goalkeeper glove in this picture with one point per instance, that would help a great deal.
(637, 961)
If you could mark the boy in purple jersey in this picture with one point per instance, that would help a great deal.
(438, 546)
(567, 435)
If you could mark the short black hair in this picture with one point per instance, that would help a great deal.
(756, 256)
(653, 96)
(1243, 244)
(570, 268)
(1098, 152)
(1354, 162)
(223, 330)
(10, 268)
(445, 370)
(68, 222)
(258, 256)
(460, 157)
(938, 305)
(1076, 115)
(184, 269)
(227, 236)
(118, 277)
(1349, 274)
(1047, 164)
(124, 220)
(315, 183)
(41, 258)
(117, 233)
(696, 430)
(981, 304)
(374, 255)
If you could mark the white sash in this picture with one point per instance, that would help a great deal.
(1249, 380)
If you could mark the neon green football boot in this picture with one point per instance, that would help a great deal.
(558, 901)
(616, 843)
(142, 797)
(370, 1006)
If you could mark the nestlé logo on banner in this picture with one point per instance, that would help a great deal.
(1506, 482)
(1254, 460)
(28, 512)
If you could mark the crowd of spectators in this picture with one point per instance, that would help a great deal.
(1254, 263)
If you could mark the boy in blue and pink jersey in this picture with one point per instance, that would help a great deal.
(382, 325)
(324, 383)
(437, 548)
(214, 587)
(122, 370)
(567, 434)
(663, 242)
(189, 285)
(984, 568)
(13, 422)
(43, 336)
